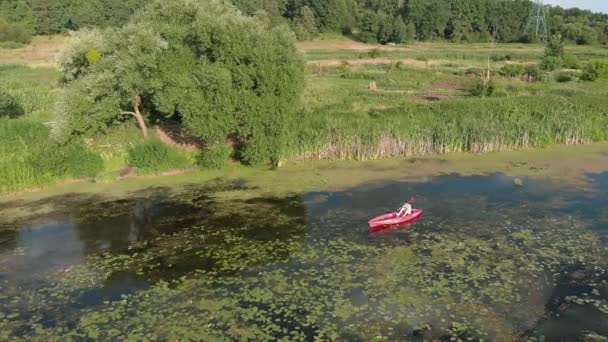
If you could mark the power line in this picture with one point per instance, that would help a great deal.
(537, 24)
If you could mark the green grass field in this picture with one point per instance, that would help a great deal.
(458, 53)
(421, 104)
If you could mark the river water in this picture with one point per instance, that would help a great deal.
(491, 260)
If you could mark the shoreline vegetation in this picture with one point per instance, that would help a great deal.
(413, 130)
(569, 165)
(269, 100)
(413, 112)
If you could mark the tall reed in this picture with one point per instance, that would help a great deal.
(464, 125)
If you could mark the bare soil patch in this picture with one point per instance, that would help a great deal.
(337, 44)
(174, 135)
(374, 61)
(449, 84)
(437, 97)
(40, 53)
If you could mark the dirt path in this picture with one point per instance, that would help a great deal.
(174, 135)
(337, 44)
(40, 53)
(376, 61)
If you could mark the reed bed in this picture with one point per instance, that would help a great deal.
(464, 125)
(30, 160)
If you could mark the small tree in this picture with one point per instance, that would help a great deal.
(400, 31)
(410, 32)
(307, 19)
(554, 47)
(199, 62)
(304, 25)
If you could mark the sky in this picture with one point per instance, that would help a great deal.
(594, 5)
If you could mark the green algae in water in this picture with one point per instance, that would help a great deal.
(270, 268)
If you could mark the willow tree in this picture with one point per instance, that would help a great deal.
(199, 62)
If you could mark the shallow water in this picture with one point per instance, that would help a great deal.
(490, 260)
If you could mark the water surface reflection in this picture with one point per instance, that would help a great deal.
(127, 246)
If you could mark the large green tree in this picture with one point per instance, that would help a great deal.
(199, 62)
(334, 15)
(430, 17)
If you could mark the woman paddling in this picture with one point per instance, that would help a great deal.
(406, 209)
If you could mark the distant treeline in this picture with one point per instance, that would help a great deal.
(22, 18)
(382, 21)
(397, 21)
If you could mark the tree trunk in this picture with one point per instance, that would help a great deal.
(138, 116)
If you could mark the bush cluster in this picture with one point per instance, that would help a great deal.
(28, 159)
(9, 105)
(14, 32)
(153, 156)
(515, 70)
(595, 70)
(73, 160)
(214, 157)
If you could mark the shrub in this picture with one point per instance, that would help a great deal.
(49, 160)
(482, 88)
(58, 161)
(375, 53)
(571, 62)
(11, 45)
(554, 47)
(532, 71)
(300, 31)
(551, 63)
(564, 77)
(9, 105)
(501, 58)
(152, 156)
(602, 67)
(595, 69)
(82, 162)
(474, 71)
(512, 70)
(18, 136)
(214, 157)
(590, 73)
(27, 160)
(500, 92)
(10, 32)
(344, 68)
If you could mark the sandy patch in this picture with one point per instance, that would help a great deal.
(40, 53)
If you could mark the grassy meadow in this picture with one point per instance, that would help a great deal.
(361, 102)
(423, 100)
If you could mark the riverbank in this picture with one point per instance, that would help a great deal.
(421, 112)
(251, 253)
(569, 165)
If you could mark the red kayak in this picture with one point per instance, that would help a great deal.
(392, 220)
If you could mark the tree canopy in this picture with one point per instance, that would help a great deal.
(198, 62)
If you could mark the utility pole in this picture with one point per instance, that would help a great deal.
(537, 24)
